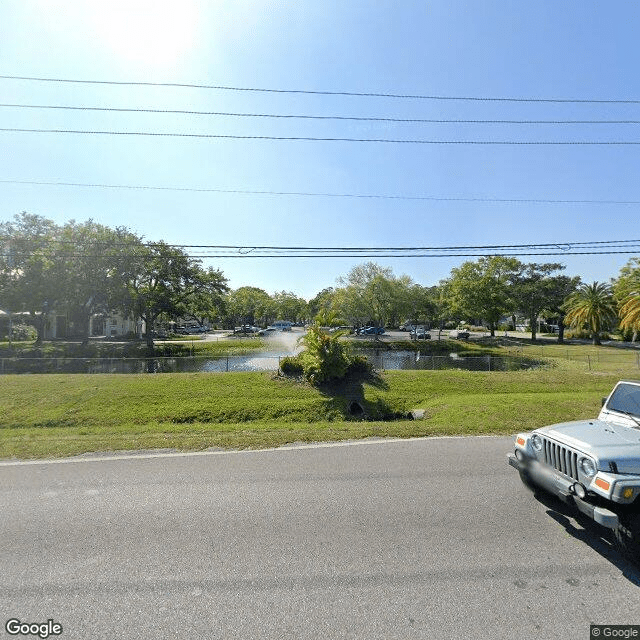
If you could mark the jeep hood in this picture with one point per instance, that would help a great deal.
(603, 441)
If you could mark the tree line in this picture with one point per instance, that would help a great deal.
(84, 269)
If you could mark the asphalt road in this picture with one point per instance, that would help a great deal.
(429, 538)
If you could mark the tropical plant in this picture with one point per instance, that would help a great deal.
(592, 307)
(325, 357)
(627, 293)
(630, 313)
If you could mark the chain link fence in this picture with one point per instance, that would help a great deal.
(186, 364)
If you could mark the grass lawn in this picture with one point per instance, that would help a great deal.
(59, 415)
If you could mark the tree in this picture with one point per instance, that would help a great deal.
(482, 289)
(32, 273)
(592, 307)
(93, 256)
(630, 314)
(533, 290)
(249, 305)
(627, 293)
(162, 280)
(288, 306)
(560, 287)
(371, 293)
(206, 302)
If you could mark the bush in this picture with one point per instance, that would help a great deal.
(291, 366)
(23, 332)
(359, 366)
(325, 358)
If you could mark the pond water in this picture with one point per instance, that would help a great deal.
(263, 361)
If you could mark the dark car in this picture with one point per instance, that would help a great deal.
(460, 334)
(420, 334)
(370, 331)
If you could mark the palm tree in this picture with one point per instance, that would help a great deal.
(630, 313)
(593, 307)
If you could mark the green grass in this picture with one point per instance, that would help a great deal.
(60, 415)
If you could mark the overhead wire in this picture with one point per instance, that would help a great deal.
(307, 116)
(325, 139)
(321, 194)
(366, 94)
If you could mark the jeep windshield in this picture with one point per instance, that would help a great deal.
(626, 400)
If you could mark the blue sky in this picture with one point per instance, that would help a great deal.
(547, 49)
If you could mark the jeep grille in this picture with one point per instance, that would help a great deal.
(560, 458)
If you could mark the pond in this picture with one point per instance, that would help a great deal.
(263, 361)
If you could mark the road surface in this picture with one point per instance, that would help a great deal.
(428, 538)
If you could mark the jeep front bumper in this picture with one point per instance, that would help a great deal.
(546, 478)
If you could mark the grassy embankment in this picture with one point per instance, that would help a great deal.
(59, 415)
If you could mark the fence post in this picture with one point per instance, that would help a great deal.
(589, 361)
(489, 363)
(227, 364)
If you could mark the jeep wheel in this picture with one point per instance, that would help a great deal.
(526, 481)
(628, 534)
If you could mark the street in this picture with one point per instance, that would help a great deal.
(426, 538)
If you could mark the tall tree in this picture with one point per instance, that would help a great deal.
(533, 290)
(207, 302)
(288, 306)
(372, 293)
(627, 293)
(249, 305)
(161, 279)
(592, 307)
(92, 255)
(481, 289)
(560, 287)
(32, 272)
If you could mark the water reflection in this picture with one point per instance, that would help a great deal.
(381, 360)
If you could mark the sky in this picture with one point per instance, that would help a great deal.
(443, 195)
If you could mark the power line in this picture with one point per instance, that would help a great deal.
(363, 94)
(309, 117)
(357, 255)
(318, 194)
(600, 247)
(565, 246)
(331, 139)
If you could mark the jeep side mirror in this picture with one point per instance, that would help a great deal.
(603, 401)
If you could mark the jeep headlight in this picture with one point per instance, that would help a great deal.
(536, 442)
(588, 467)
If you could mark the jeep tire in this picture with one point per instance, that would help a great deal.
(527, 482)
(628, 534)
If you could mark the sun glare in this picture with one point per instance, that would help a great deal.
(153, 33)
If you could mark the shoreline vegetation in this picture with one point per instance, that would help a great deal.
(58, 415)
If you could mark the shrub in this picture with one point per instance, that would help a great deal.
(291, 366)
(23, 332)
(325, 357)
(359, 366)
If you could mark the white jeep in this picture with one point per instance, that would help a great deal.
(593, 464)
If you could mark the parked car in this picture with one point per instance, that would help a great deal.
(460, 334)
(246, 328)
(593, 465)
(420, 333)
(370, 331)
(267, 331)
